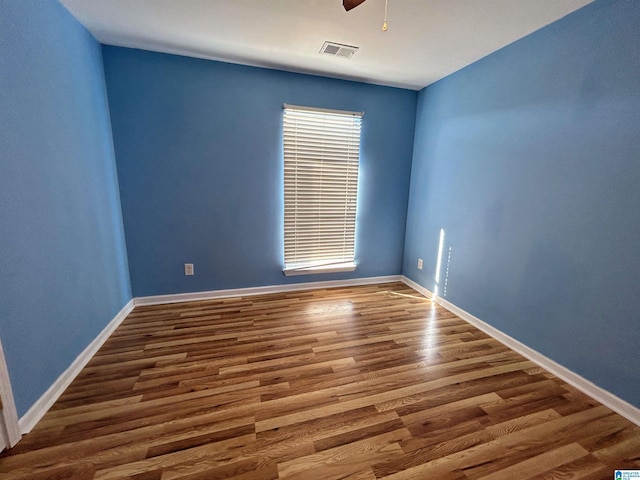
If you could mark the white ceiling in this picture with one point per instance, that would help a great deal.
(427, 39)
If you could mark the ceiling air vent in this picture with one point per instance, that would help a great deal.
(338, 50)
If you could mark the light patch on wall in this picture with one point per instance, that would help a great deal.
(446, 274)
(440, 286)
(436, 286)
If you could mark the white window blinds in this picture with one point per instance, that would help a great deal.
(321, 156)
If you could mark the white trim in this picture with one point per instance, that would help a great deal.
(10, 431)
(315, 269)
(42, 405)
(48, 398)
(242, 292)
(603, 396)
(417, 287)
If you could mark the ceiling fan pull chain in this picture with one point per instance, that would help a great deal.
(385, 25)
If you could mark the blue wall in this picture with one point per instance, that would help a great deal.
(199, 152)
(530, 161)
(527, 159)
(63, 265)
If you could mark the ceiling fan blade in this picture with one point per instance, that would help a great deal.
(349, 4)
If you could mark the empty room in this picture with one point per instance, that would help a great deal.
(320, 239)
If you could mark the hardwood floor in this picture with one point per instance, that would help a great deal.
(353, 383)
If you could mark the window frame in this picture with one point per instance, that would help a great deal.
(320, 139)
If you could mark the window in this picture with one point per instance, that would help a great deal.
(321, 156)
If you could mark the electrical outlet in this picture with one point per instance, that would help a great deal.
(188, 268)
(419, 264)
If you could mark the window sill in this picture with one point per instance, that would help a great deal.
(333, 268)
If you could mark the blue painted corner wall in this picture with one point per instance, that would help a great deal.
(63, 264)
(199, 152)
(529, 160)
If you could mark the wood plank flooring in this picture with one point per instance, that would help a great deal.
(361, 383)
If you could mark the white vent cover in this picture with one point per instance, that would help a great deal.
(338, 50)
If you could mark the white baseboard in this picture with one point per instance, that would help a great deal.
(603, 396)
(242, 292)
(44, 403)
